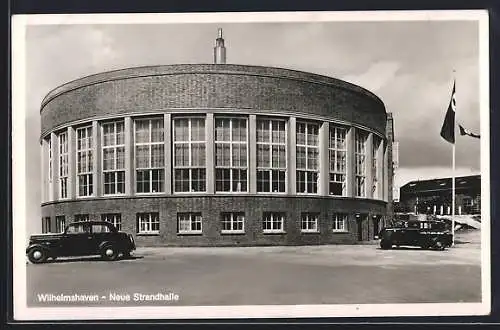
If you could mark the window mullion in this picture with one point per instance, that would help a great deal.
(190, 160)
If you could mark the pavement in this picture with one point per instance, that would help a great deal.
(326, 274)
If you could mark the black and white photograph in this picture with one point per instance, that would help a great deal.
(251, 165)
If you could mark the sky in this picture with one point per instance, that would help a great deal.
(409, 65)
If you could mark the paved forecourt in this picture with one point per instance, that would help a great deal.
(329, 274)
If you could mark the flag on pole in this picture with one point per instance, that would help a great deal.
(448, 128)
(464, 131)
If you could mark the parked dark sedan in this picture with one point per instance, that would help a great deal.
(81, 239)
(426, 234)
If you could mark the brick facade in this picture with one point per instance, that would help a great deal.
(170, 89)
(211, 207)
(212, 90)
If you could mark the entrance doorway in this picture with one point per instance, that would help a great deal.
(359, 221)
(376, 226)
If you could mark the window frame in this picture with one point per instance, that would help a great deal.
(271, 169)
(82, 217)
(299, 171)
(190, 168)
(233, 221)
(305, 218)
(63, 184)
(116, 219)
(59, 228)
(89, 155)
(115, 147)
(360, 158)
(376, 144)
(272, 215)
(46, 225)
(150, 170)
(231, 167)
(151, 221)
(50, 159)
(335, 150)
(192, 220)
(335, 222)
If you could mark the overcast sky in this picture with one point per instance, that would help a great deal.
(409, 65)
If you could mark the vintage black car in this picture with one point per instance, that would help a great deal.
(426, 234)
(81, 239)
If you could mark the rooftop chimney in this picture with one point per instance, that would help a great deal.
(219, 50)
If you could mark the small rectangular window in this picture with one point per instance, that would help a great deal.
(233, 222)
(46, 225)
(309, 222)
(273, 222)
(148, 223)
(114, 218)
(339, 222)
(189, 223)
(60, 223)
(82, 217)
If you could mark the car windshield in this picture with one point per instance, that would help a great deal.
(78, 228)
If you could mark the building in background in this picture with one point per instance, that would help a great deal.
(218, 154)
(435, 196)
(395, 166)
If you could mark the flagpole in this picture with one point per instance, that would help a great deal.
(453, 198)
(453, 170)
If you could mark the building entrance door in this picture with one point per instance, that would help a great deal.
(376, 226)
(359, 222)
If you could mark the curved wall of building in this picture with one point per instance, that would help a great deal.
(216, 155)
(200, 87)
(362, 218)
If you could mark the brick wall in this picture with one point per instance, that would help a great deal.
(211, 208)
(202, 87)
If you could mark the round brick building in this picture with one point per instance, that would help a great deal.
(217, 154)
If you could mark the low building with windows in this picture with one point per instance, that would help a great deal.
(434, 197)
(217, 154)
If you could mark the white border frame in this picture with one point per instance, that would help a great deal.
(22, 312)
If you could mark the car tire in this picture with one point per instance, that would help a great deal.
(109, 252)
(425, 246)
(37, 255)
(439, 245)
(385, 245)
(126, 255)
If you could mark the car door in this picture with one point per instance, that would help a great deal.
(100, 233)
(77, 240)
(412, 233)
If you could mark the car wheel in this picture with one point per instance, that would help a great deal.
(385, 245)
(425, 246)
(37, 255)
(439, 245)
(109, 252)
(126, 255)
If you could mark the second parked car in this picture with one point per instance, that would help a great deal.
(426, 234)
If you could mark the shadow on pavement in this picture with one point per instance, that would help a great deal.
(407, 248)
(92, 258)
